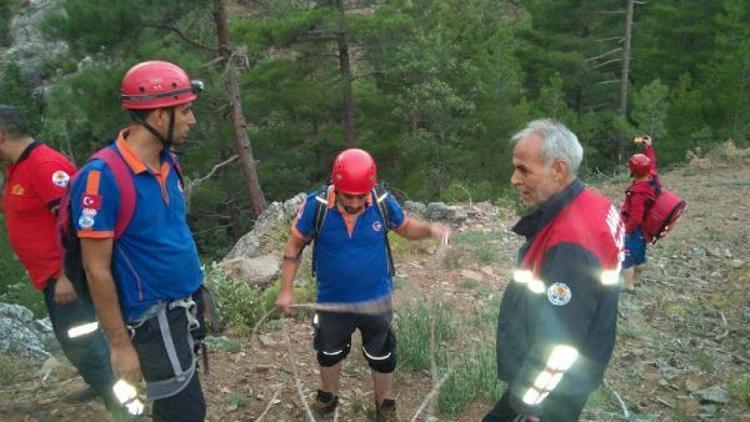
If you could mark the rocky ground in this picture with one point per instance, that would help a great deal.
(683, 348)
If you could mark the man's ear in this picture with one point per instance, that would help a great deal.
(560, 170)
(156, 117)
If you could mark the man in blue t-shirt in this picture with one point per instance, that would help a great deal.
(145, 277)
(354, 273)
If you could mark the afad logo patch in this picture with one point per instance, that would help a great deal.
(377, 226)
(60, 178)
(559, 294)
(91, 201)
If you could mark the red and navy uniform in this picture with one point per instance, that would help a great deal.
(565, 293)
(35, 183)
(640, 196)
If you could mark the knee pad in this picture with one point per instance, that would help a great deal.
(326, 359)
(382, 364)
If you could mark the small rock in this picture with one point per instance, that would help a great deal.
(267, 340)
(488, 270)
(737, 264)
(714, 252)
(715, 274)
(691, 386)
(413, 207)
(457, 214)
(709, 410)
(231, 408)
(713, 394)
(746, 314)
(472, 275)
(436, 211)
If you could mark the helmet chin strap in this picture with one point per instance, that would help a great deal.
(166, 141)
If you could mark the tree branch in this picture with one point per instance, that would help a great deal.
(615, 50)
(181, 35)
(619, 59)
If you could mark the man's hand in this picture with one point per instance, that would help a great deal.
(440, 233)
(285, 300)
(125, 362)
(64, 291)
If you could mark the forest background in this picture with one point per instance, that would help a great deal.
(433, 89)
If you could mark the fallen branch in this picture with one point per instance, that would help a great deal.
(624, 408)
(432, 394)
(261, 321)
(726, 327)
(270, 403)
(300, 389)
(665, 403)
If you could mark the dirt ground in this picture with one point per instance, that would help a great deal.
(686, 330)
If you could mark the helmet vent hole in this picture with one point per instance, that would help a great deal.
(142, 89)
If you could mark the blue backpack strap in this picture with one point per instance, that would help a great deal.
(124, 181)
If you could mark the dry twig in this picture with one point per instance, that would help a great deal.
(298, 382)
(270, 403)
(624, 408)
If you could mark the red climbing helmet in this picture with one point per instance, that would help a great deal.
(157, 84)
(354, 172)
(639, 165)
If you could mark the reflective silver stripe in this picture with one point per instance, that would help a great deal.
(382, 197)
(369, 356)
(83, 329)
(166, 336)
(156, 390)
(332, 353)
(321, 200)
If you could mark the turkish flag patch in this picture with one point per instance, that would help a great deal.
(91, 201)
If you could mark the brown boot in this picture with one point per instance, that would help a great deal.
(386, 411)
(325, 403)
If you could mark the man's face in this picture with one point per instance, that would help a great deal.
(352, 204)
(535, 180)
(183, 121)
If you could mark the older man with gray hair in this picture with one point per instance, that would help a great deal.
(557, 322)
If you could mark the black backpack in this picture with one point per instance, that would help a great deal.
(379, 195)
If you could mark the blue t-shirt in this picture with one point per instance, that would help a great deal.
(350, 267)
(155, 259)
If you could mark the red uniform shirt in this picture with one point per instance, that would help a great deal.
(640, 196)
(34, 185)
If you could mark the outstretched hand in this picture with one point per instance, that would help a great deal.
(440, 233)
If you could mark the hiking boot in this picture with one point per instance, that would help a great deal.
(81, 396)
(386, 411)
(325, 403)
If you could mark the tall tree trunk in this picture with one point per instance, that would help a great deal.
(346, 77)
(242, 141)
(625, 76)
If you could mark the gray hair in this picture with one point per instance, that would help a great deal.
(559, 143)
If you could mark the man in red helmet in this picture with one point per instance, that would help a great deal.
(36, 181)
(144, 278)
(639, 197)
(351, 261)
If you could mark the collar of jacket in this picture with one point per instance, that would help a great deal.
(26, 152)
(529, 225)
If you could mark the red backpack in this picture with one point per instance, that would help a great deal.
(68, 240)
(663, 213)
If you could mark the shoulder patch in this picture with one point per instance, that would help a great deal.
(60, 178)
(559, 294)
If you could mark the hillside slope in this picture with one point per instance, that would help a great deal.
(683, 348)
